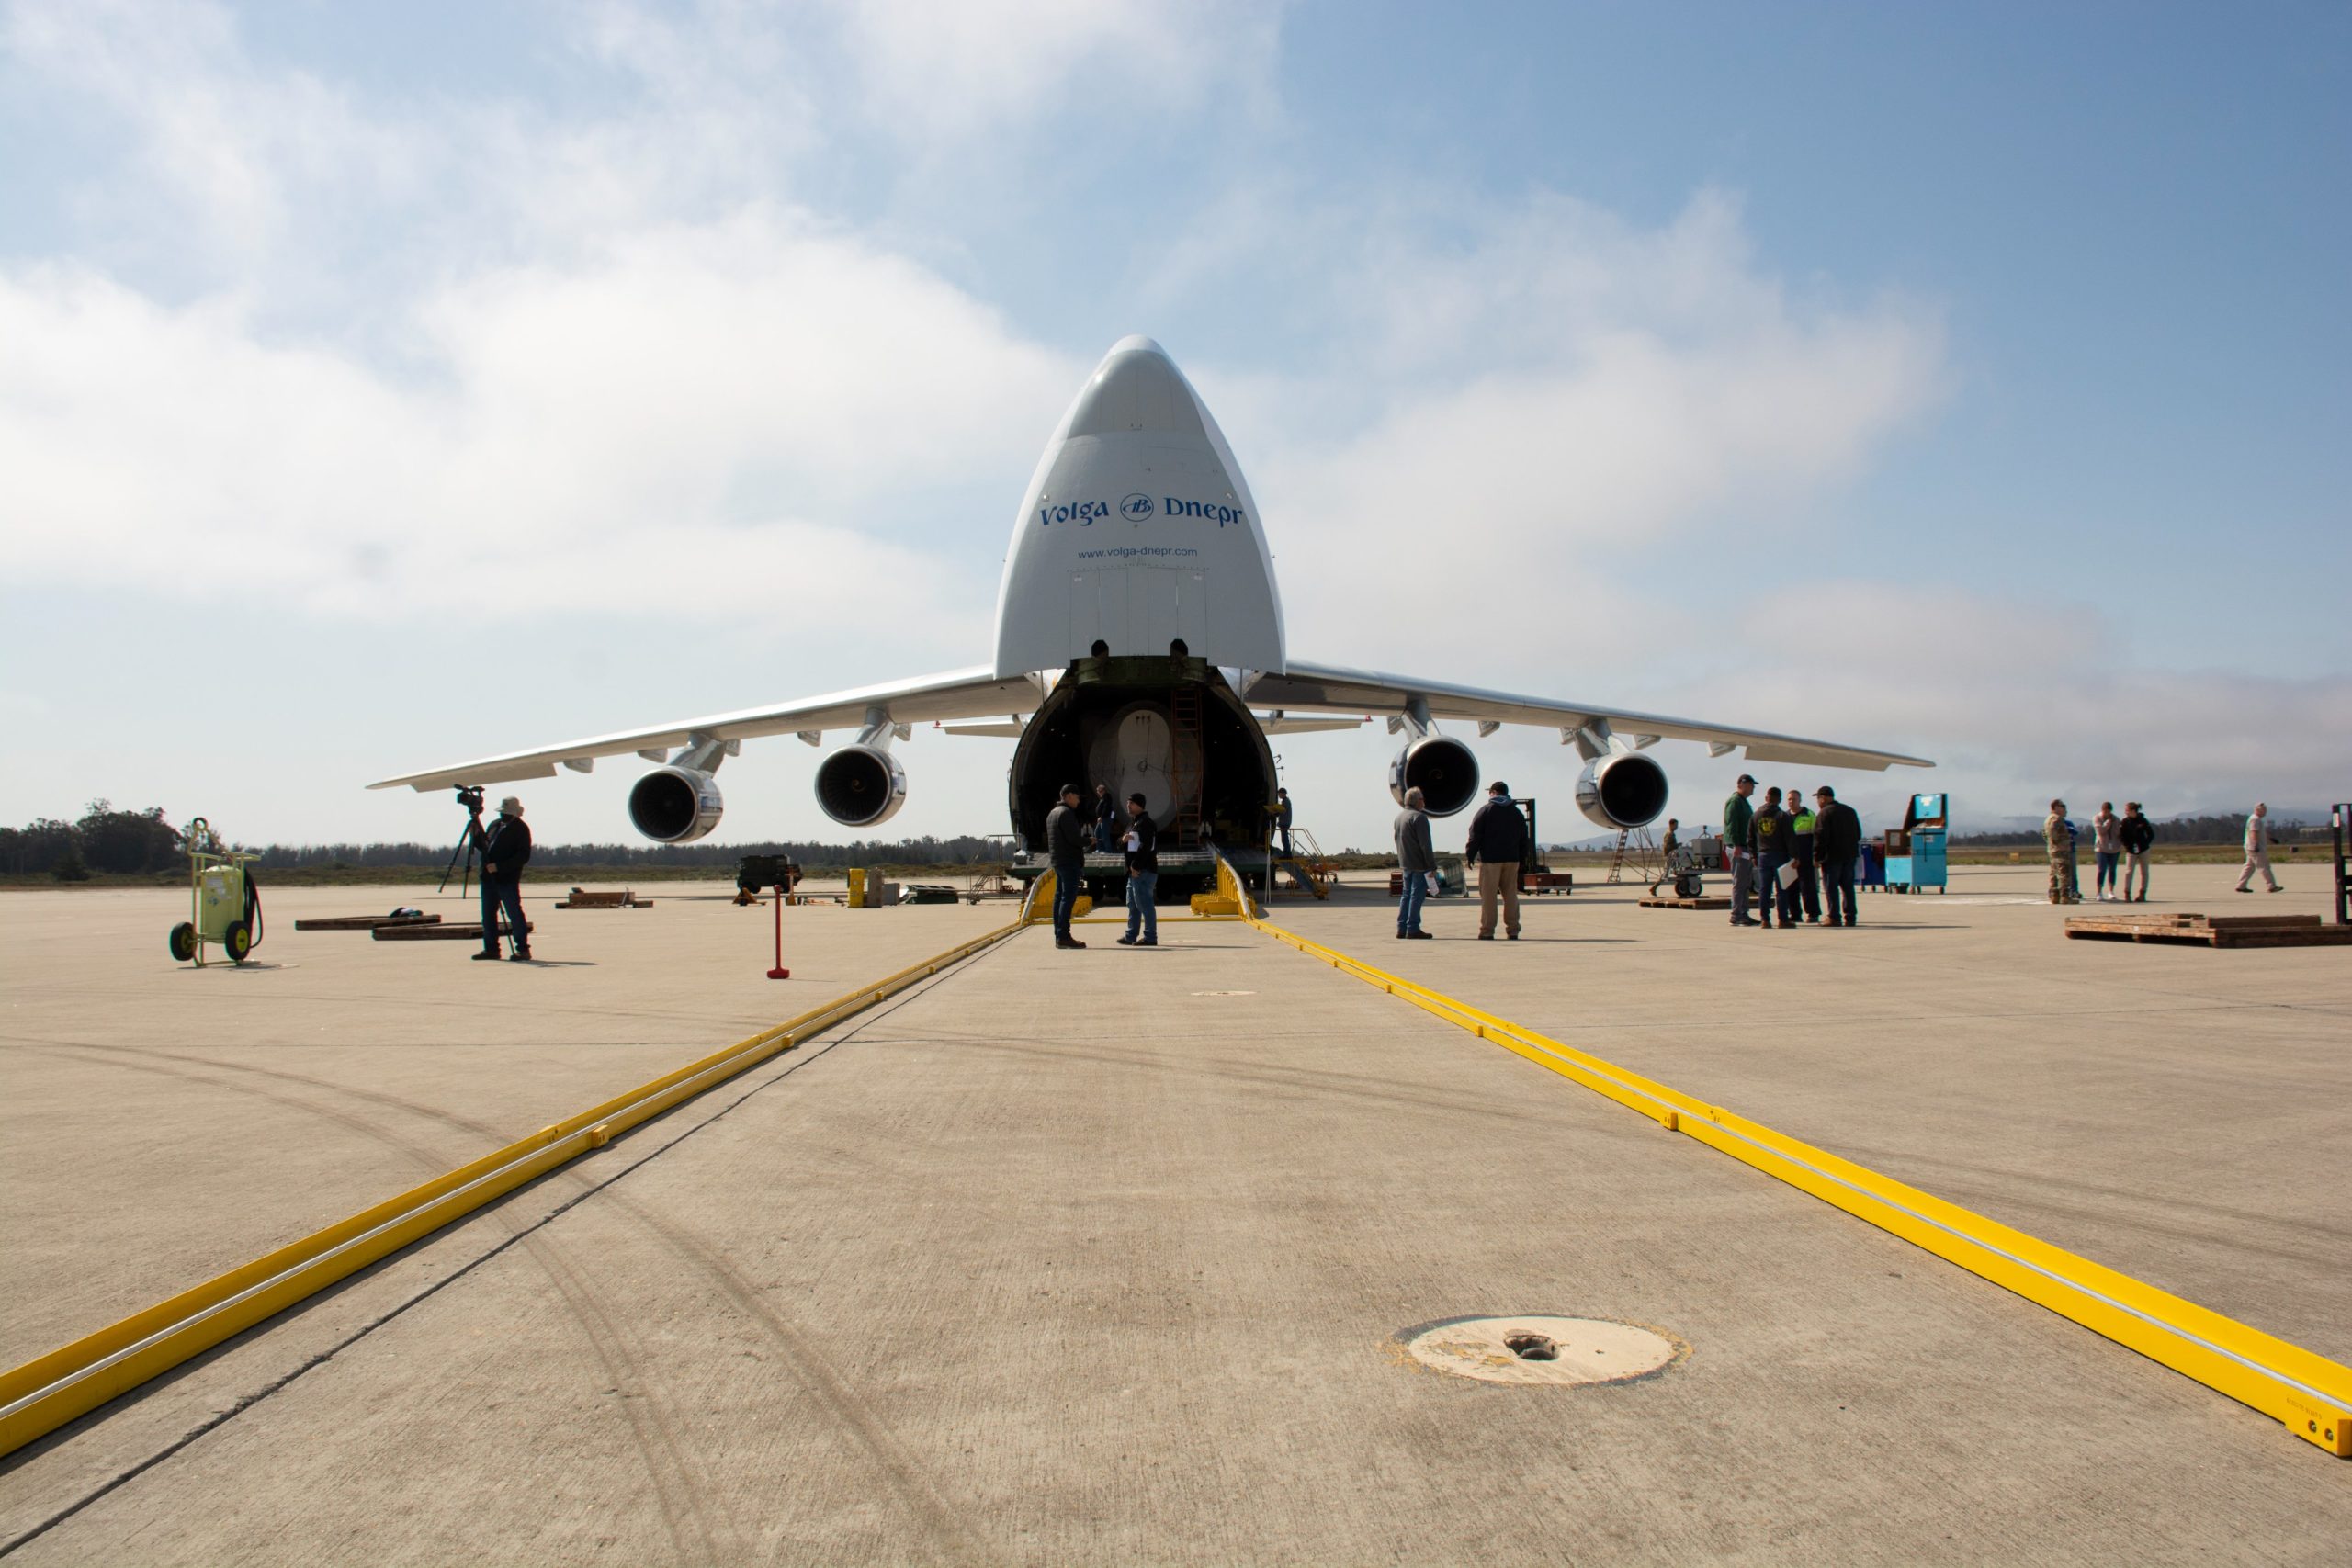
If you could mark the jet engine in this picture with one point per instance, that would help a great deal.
(1624, 789)
(675, 806)
(861, 786)
(1441, 768)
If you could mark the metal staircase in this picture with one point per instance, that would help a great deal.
(1310, 870)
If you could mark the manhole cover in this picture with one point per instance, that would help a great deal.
(1543, 1350)
(1225, 993)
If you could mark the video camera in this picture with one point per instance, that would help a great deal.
(470, 797)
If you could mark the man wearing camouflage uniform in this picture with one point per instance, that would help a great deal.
(2059, 835)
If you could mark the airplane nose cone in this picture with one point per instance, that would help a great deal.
(1136, 388)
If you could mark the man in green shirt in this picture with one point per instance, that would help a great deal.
(1738, 818)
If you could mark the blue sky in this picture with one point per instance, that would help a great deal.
(383, 386)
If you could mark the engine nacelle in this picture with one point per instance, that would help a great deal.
(1623, 789)
(861, 786)
(1441, 768)
(675, 806)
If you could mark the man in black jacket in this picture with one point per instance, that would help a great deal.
(505, 850)
(1067, 832)
(1498, 845)
(1107, 828)
(1837, 843)
(2138, 834)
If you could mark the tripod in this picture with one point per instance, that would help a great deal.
(468, 836)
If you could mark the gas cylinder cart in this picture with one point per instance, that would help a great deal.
(225, 904)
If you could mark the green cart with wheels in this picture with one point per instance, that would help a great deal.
(225, 906)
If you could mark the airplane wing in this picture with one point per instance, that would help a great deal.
(961, 693)
(1328, 686)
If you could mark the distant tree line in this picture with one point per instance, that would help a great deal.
(963, 849)
(136, 843)
(125, 843)
(2223, 827)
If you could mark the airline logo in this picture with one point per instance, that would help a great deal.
(1138, 507)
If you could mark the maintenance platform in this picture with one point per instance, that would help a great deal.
(1144, 1256)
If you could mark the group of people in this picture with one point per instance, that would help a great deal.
(1497, 847)
(1071, 828)
(1794, 859)
(2116, 842)
(2122, 842)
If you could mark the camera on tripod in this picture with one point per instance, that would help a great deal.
(468, 840)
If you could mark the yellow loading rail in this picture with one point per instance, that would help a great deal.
(43, 1394)
(2310, 1394)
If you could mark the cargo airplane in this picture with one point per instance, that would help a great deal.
(1139, 643)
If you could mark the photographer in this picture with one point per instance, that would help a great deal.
(505, 850)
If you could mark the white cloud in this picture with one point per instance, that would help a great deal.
(702, 404)
(931, 72)
(2020, 702)
(1565, 399)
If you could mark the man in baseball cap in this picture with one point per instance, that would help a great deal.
(1739, 823)
(1066, 836)
(505, 850)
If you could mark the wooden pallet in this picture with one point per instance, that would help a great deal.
(364, 922)
(421, 932)
(2212, 931)
(1711, 901)
(625, 899)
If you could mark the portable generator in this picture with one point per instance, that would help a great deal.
(225, 903)
(1688, 865)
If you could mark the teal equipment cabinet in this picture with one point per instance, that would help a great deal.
(1914, 851)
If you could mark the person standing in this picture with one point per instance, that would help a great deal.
(1066, 836)
(1837, 843)
(2257, 849)
(505, 851)
(2058, 836)
(1807, 889)
(1282, 820)
(1768, 835)
(1416, 863)
(1142, 846)
(2106, 845)
(2137, 833)
(1499, 846)
(1673, 839)
(1739, 817)
(1107, 835)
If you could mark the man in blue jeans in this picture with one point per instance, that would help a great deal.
(505, 846)
(1067, 832)
(1836, 841)
(1415, 859)
(1143, 877)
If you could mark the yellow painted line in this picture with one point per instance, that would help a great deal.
(43, 1394)
(2310, 1395)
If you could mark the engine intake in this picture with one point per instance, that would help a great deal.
(675, 806)
(1622, 790)
(861, 786)
(1441, 768)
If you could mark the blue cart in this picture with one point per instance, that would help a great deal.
(1914, 851)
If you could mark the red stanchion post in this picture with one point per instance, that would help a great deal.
(780, 972)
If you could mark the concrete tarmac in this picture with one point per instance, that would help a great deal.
(1105, 1256)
